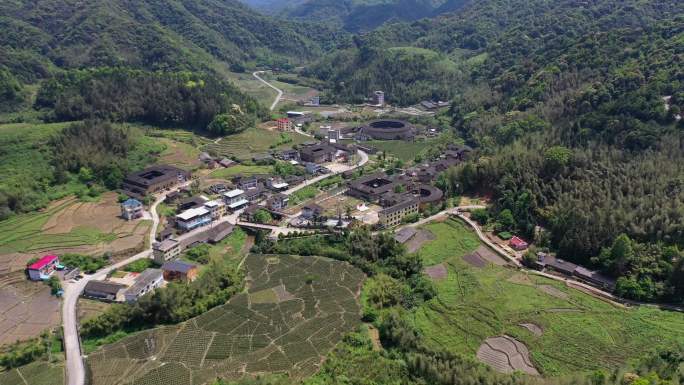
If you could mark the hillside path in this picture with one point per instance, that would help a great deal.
(278, 90)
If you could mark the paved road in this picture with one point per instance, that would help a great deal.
(72, 291)
(278, 90)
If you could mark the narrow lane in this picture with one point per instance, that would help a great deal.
(278, 90)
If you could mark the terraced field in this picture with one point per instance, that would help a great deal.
(294, 311)
(69, 225)
(253, 141)
(565, 330)
(37, 373)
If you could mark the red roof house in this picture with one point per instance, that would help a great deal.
(518, 244)
(43, 268)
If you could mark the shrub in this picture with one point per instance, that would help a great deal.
(505, 235)
(481, 216)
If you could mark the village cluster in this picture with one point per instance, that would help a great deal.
(382, 199)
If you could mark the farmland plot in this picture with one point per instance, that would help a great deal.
(517, 321)
(294, 311)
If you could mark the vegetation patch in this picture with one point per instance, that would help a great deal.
(246, 170)
(402, 150)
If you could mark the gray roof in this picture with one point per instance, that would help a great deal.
(220, 232)
(400, 206)
(178, 266)
(155, 174)
(165, 245)
(103, 287)
(144, 279)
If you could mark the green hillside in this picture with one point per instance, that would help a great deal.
(151, 34)
(356, 15)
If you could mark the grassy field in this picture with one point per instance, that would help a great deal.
(451, 238)
(230, 247)
(227, 173)
(284, 323)
(179, 154)
(580, 333)
(406, 151)
(253, 141)
(252, 87)
(302, 195)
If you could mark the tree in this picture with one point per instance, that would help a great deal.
(619, 256)
(556, 158)
(230, 123)
(10, 90)
(677, 281)
(481, 216)
(505, 221)
(85, 174)
(55, 285)
(262, 216)
(385, 291)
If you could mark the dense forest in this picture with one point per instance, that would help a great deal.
(588, 145)
(356, 15)
(487, 39)
(159, 98)
(156, 35)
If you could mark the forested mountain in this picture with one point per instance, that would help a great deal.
(356, 15)
(484, 39)
(572, 106)
(151, 34)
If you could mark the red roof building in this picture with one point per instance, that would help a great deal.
(43, 268)
(518, 244)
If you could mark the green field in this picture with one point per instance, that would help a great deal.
(253, 141)
(451, 238)
(580, 333)
(302, 195)
(229, 248)
(252, 87)
(36, 373)
(295, 310)
(240, 169)
(406, 151)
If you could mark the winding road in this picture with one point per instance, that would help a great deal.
(75, 369)
(278, 90)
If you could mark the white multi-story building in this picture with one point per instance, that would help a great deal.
(235, 199)
(193, 218)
